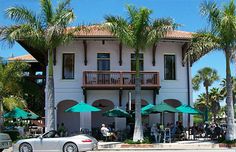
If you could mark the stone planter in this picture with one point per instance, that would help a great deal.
(227, 145)
(136, 146)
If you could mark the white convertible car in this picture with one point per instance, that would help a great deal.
(51, 142)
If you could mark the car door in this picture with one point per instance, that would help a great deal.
(47, 143)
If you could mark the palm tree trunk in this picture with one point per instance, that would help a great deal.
(1, 114)
(229, 100)
(214, 117)
(138, 129)
(207, 98)
(50, 94)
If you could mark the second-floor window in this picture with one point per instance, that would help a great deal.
(103, 61)
(68, 66)
(169, 67)
(133, 62)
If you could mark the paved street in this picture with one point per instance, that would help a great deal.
(160, 150)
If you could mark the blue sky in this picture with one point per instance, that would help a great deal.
(185, 12)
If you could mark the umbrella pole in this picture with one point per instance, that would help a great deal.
(163, 119)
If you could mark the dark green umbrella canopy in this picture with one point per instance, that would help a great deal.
(18, 113)
(162, 107)
(116, 112)
(82, 107)
(187, 109)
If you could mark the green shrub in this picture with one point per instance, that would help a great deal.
(145, 141)
(14, 134)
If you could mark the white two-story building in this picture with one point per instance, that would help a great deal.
(99, 70)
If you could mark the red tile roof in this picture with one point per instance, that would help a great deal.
(26, 58)
(98, 31)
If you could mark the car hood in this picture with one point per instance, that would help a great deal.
(25, 140)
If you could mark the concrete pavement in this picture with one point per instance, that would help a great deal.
(132, 150)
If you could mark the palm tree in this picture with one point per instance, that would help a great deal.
(215, 98)
(207, 76)
(11, 75)
(213, 103)
(223, 90)
(44, 31)
(220, 36)
(138, 32)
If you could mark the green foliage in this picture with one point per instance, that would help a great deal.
(207, 76)
(10, 103)
(197, 119)
(14, 134)
(11, 75)
(146, 140)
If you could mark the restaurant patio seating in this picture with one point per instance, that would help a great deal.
(167, 135)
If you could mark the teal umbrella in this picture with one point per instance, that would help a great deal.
(17, 113)
(82, 107)
(116, 112)
(188, 109)
(162, 107)
(147, 107)
(32, 115)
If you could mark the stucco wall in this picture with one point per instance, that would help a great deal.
(71, 89)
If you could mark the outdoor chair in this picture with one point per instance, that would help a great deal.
(167, 135)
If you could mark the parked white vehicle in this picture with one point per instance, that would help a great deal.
(5, 141)
(51, 141)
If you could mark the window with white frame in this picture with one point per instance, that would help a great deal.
(169, 67)
(68, 68)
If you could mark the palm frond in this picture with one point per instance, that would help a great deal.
(160, 28)
(22, 15)
(62, 6)
(120, 28)
(211, 11)
(201, 44)
(47, 11)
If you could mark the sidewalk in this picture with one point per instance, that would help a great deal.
(180, 145)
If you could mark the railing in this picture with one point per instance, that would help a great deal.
(119, 79)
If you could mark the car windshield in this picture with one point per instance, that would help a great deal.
(51, 134)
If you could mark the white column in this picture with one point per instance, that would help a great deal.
(185, 120)
(46, 108)
(85, 120)
(55, 112)
(176, 117)
(120, 123)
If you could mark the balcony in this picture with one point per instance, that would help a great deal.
(119, 80)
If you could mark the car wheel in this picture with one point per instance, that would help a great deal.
(25, 147)
(70, 147)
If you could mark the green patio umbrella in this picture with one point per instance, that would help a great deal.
(188, 109)
(17, 113)
(147, 107)
(162, 107)
(82, 107)
(116, 112)
(32, 115)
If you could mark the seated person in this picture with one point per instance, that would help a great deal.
(106, 133)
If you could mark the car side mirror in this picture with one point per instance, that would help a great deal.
(41, 137)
